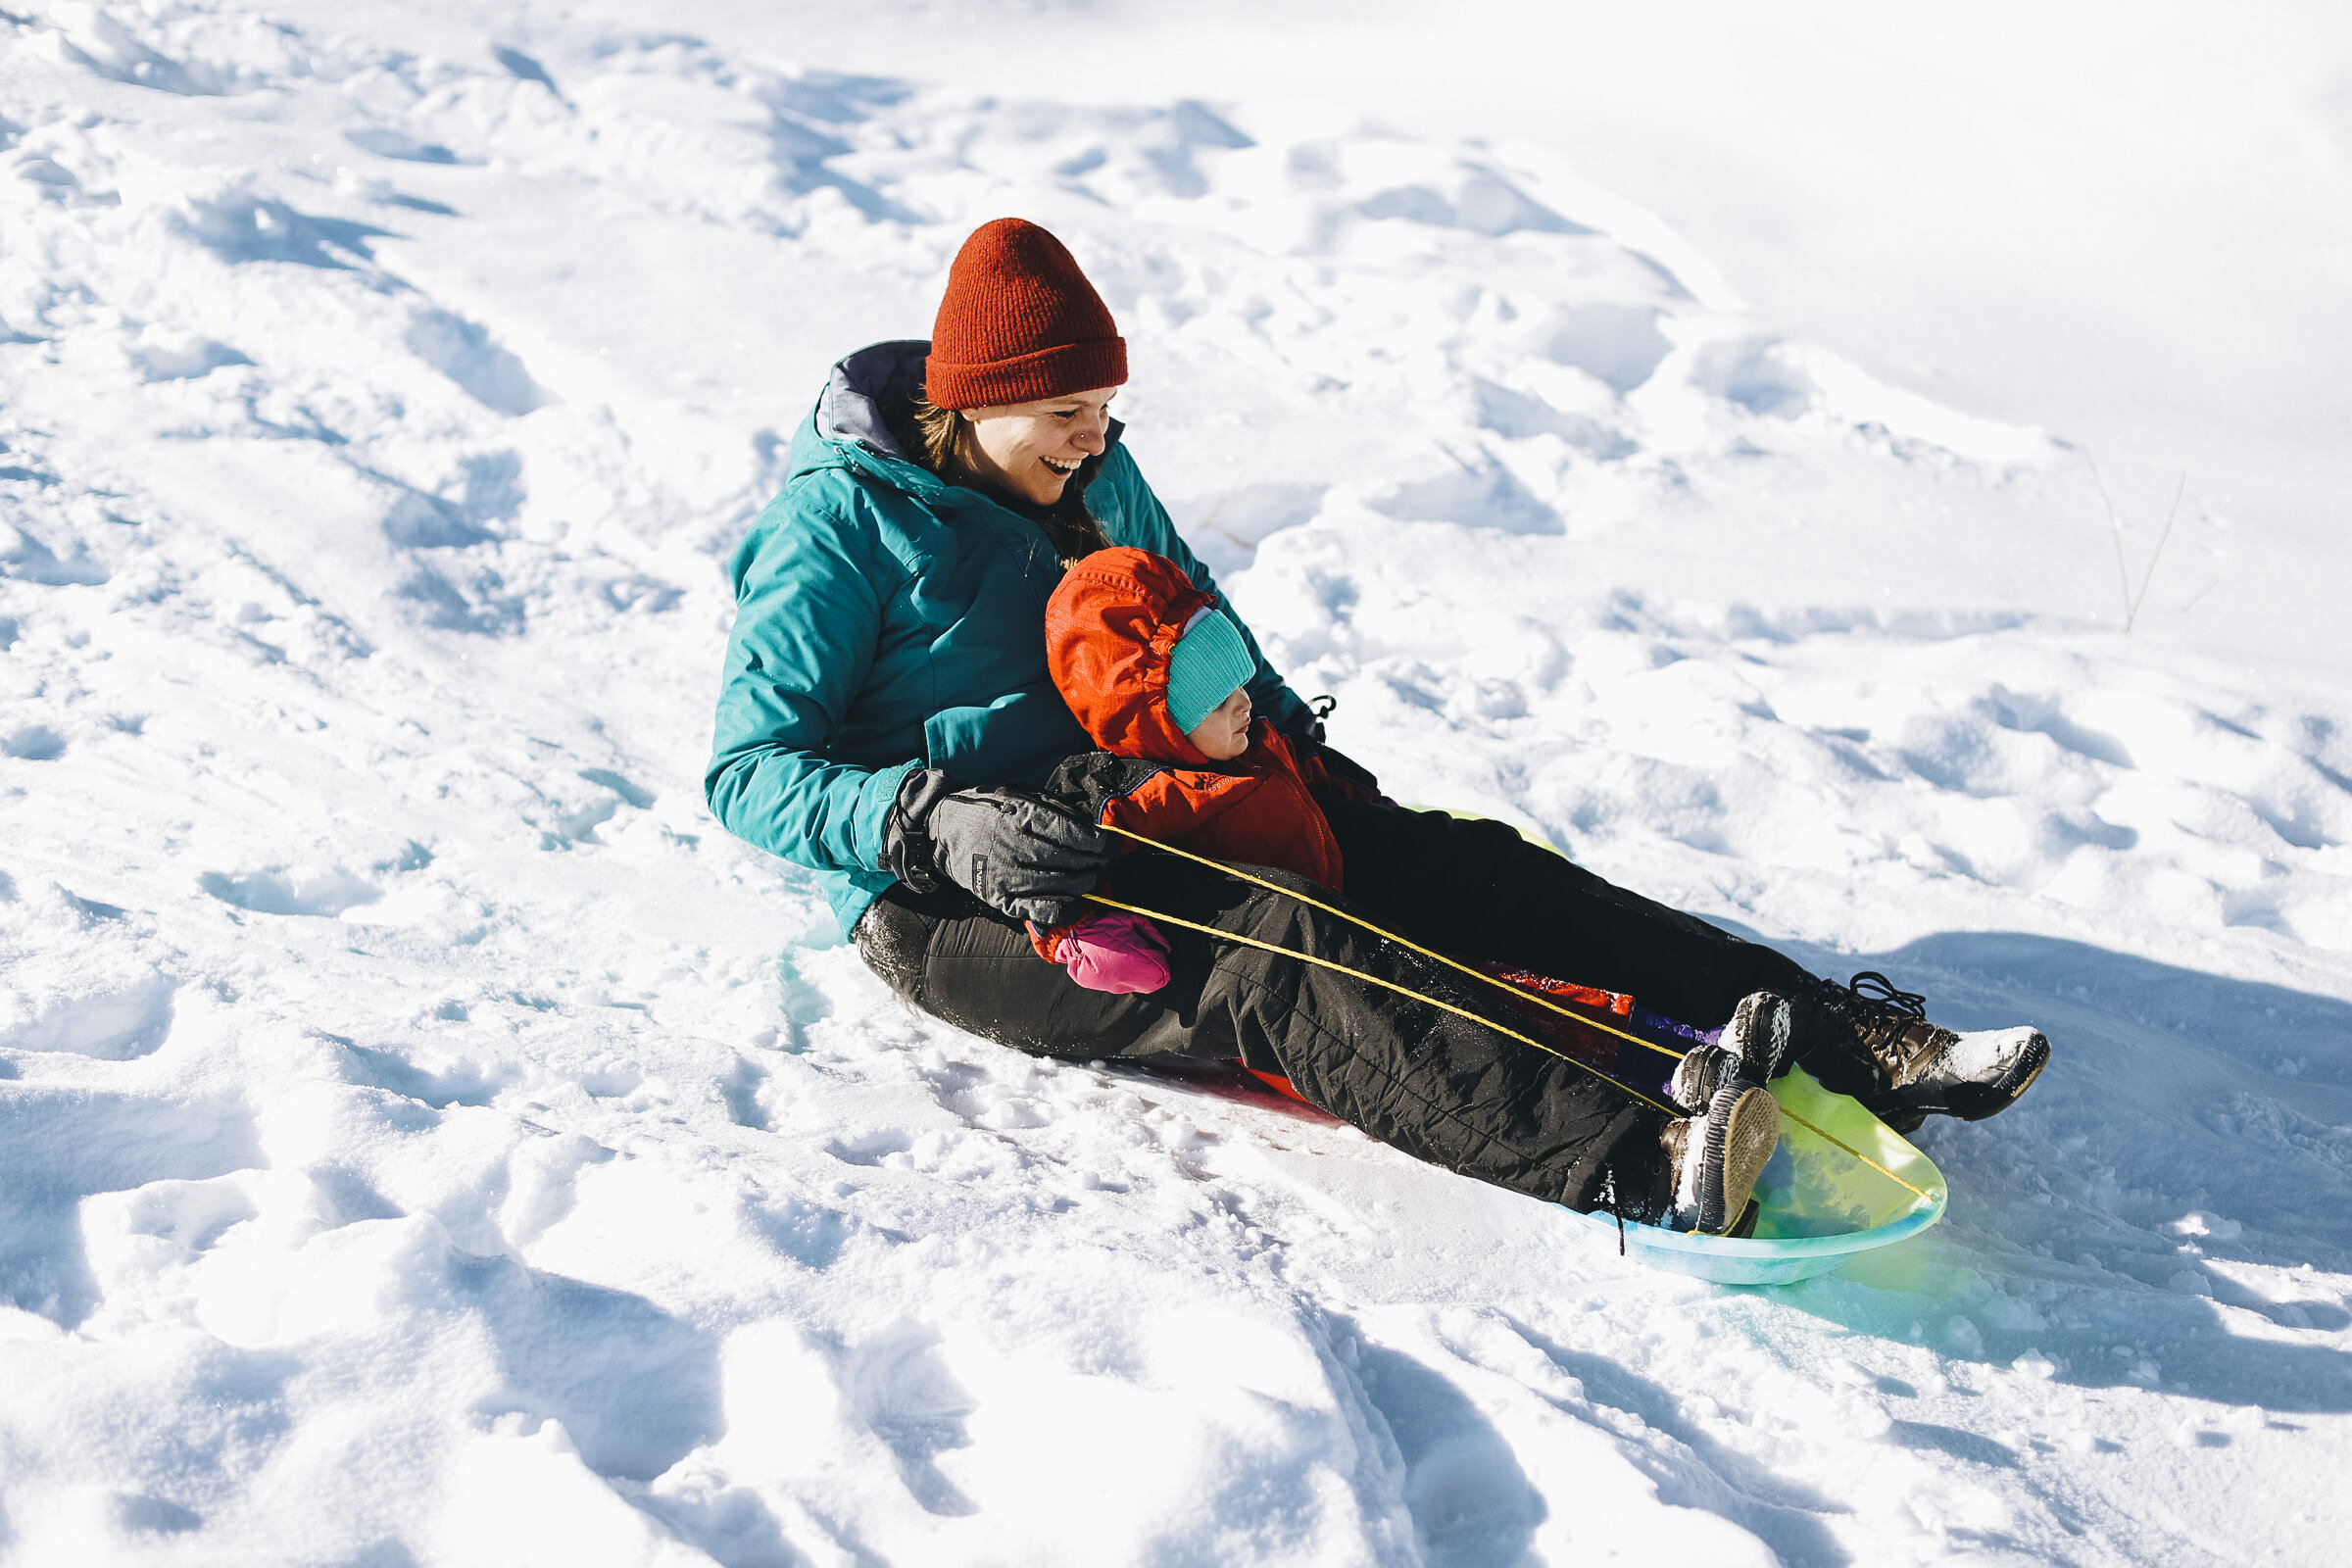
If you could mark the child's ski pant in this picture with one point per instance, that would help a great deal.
(1432, 1084)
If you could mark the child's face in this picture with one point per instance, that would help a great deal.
(1225, 733)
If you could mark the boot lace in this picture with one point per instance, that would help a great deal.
(1872, 985)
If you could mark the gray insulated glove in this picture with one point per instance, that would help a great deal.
(1013, 851)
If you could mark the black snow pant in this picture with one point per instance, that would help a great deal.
(1434, 1085)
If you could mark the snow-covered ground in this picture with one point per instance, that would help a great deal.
(427, 1138)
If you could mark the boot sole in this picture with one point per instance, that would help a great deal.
(1758, 1034)
(1740, 1143)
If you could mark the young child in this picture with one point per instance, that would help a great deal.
(1157, 677)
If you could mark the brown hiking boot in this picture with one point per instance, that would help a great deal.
(1924, 1068)
(1718, 1156)
(1753, 1045)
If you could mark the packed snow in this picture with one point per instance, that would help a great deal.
(427, 1138)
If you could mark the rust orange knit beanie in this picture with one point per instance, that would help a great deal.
(1020, 323)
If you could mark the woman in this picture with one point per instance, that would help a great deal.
(887, 716)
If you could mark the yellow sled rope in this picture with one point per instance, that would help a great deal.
(1476, 974)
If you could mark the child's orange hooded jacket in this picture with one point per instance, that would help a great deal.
(1109, 628)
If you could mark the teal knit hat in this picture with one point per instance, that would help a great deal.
(1208, 664)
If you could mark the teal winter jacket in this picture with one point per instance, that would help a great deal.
(885, 622)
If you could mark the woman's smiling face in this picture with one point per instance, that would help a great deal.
(1031, 449)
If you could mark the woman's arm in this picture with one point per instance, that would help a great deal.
(809, 587)
(1143, 523)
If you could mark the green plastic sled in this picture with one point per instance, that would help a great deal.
(1819, 1205)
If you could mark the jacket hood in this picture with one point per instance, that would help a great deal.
(868, 399)
(1110, 628)
(865, 396)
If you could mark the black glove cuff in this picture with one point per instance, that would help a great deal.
(907, 841)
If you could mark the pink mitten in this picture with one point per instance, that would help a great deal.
(1114, 952)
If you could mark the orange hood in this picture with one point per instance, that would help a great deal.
(1111, 627)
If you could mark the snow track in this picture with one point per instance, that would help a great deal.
(427, 1138)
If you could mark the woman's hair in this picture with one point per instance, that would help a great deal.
(938, 434)
(937, 444)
